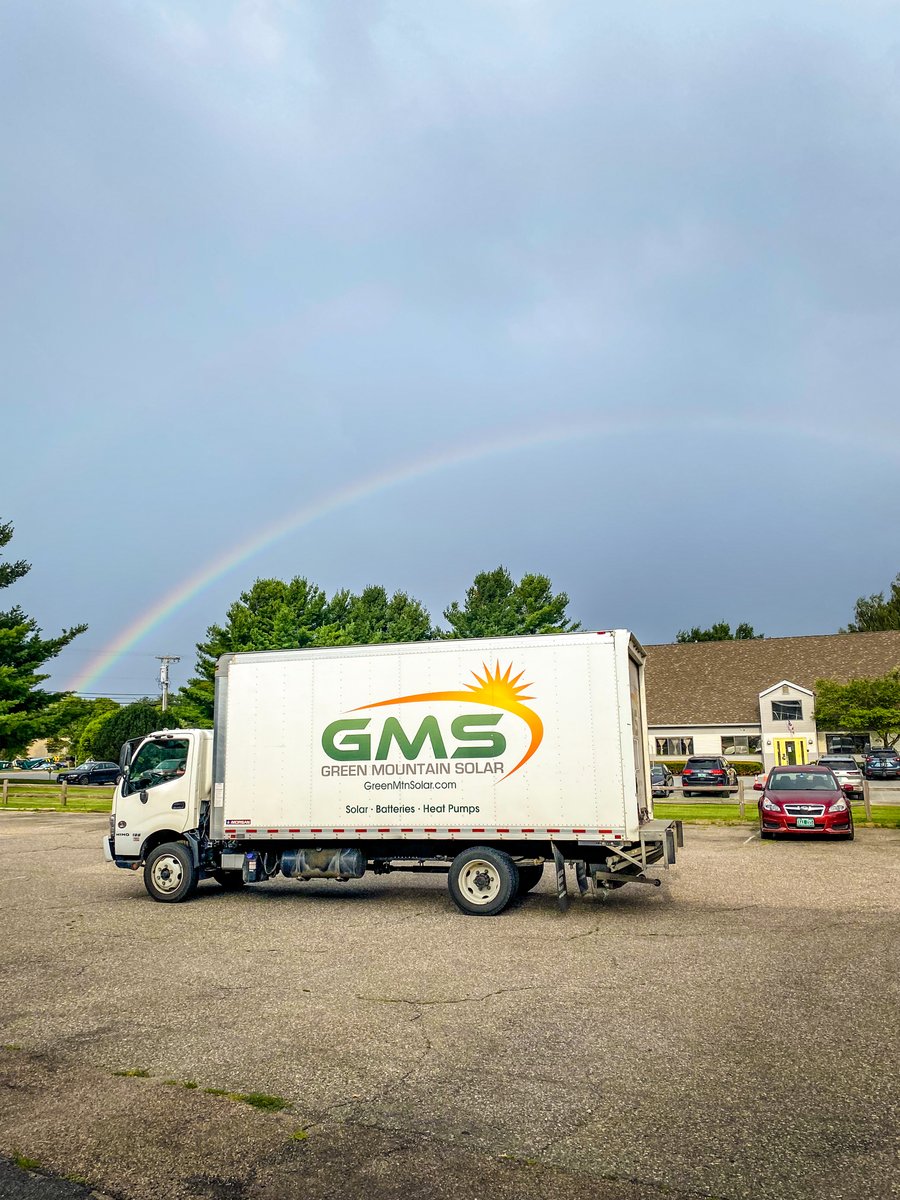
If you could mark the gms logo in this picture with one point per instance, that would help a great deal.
(475, 735)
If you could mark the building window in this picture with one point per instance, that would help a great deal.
(741, 743)
(674, 746)
(847, 743)
(787, 710)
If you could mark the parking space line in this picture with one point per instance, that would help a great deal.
(750, 838)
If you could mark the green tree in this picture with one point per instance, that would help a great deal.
(720, 632)
(71, 716)
(129, 721)
(861, 706)
(874, 613)
(497, 606)
(25, 707)
(274, 615)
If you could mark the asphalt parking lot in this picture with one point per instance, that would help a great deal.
(732, 1034)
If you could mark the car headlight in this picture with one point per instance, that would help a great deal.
(770, 805)
(840, 805)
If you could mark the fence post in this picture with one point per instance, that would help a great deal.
(6, 791)
(867, 800)
(64, 793)
(741, 795)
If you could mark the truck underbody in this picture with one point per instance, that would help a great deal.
(483, 877)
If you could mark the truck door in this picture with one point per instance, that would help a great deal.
(156, 793)
(639, 735)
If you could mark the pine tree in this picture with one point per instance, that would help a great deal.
(25, 707)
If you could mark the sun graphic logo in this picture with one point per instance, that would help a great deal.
(475, 733)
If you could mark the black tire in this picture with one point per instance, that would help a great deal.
(169, 873)
(483, 881)
(687, 795)
(529, 877)
(231, 881)
(848, 837)
(768, 834)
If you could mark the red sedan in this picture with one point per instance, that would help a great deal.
(804, 800)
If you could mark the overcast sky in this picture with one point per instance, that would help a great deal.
(642, 258)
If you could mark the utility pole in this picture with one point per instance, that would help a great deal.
(164, 660)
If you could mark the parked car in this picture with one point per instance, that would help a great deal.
(714, 776)
(847, 771)
(807, 799)
(91, 772)
(662, 781)
(882, 764)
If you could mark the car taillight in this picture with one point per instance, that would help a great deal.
(687, 771)
(717, 772)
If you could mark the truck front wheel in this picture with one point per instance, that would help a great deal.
(169, 873)
(483, 881)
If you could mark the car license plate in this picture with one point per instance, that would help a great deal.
(805, 823)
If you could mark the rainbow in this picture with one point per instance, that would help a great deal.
(564, 430)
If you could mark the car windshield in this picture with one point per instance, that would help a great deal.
(702, 764)
(840, 764)
(802, 781)
(657, 770)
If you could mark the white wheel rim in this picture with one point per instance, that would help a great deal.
(480, 881)
(167, 873)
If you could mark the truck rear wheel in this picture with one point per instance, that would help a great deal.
(529, 877)
(169, 873)
(483, 881)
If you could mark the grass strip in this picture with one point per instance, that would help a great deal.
(92, 800)
(884, 816)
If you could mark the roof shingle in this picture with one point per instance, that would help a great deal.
(718, 683)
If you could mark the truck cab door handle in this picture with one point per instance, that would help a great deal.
(179, 804)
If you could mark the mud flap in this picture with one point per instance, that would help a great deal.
(582, 876)
(562, 892)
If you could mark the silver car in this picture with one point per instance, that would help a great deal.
(847, 771)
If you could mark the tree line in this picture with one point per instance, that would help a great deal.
(278, 614)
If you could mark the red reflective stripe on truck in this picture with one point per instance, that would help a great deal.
(579, 831)
(252, 831)
(315, 831)
(406, 831)
(293, 831)
(528, 831)
(600, 831)
(552, 831)
(360, 831)
(380, 831)
(499, 830)
(430, 831)
(337, 831)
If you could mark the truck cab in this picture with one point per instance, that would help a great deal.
(161, 794)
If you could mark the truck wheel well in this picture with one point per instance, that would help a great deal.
(158, 838)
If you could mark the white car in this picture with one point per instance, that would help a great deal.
(847, 771)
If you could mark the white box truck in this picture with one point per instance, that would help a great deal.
(484, 759)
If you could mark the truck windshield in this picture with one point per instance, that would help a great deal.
(156, 763)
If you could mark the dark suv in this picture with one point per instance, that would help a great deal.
(713, 776)
(882, 764)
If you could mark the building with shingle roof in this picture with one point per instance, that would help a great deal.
(756, 698)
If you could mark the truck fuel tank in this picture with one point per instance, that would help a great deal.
(336, 862)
